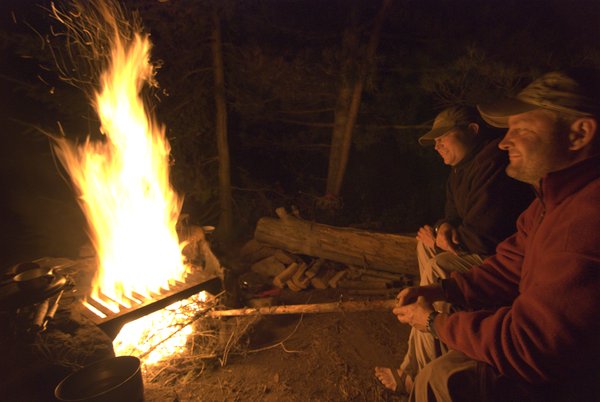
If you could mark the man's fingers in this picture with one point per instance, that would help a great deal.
(455, 237)
(405, 297)
(402, 314)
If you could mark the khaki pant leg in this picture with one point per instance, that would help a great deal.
(451, 377)
(422, 347)
(435, 266)
(443, 264)
(426, 258)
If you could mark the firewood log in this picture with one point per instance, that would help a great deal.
(333, 282)
(270, 266)
(376, 273)
(313, 270)
(290, 284)
(254, 251)
(382, 251)
(299, 278)
(321, 281)
(350, 284)
(343, 306)
(390, 292)
(375, 278)
(284, 257)
(281, 279)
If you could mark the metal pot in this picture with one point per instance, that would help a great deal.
(117, 379)
(35, 279)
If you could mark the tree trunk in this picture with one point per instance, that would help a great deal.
(362, 248)
(226, 215)
(342, 135)
(344, 100)
(337, 137)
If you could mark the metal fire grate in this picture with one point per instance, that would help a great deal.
(111, 322)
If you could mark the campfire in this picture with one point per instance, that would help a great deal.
(123, 188)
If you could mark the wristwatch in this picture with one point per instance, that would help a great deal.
(436, 227)
(430, 326)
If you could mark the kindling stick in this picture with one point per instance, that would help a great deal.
(335, 307)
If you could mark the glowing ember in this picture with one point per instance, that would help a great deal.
(124, 190)
(160, 334)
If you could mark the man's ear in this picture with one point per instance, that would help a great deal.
(583, 132)
(474, 127)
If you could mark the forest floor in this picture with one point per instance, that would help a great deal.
(318, 357)
(312, 357)
(327, 357)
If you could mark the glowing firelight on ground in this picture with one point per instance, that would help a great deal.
(168, 327)
(124, 190)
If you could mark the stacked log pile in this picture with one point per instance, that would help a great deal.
(298, 272)
(369, 250)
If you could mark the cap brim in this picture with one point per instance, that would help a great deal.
(497, 113)
(429, 138)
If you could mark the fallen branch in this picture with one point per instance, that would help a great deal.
(388, 252)
(335, 307)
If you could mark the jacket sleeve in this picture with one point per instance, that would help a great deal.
(495, 201)
(495, 282)
(540, 326)
(542, 329)
(450, 212)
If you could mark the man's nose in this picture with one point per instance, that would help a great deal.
(504, 144)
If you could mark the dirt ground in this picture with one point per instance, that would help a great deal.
(311, 357)
(296, 357)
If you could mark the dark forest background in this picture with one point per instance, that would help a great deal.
(286, 64)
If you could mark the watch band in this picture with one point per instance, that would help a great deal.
(430, 321)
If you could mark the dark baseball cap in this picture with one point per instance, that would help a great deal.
(449, 119)
(574, 92)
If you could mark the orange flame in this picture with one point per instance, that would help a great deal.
(123, 185)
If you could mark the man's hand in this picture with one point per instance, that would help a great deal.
(415, 314)
(447, 238)
(410, 295)
(427, 236)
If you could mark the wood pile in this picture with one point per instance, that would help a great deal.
(296, 272)
(393, 253)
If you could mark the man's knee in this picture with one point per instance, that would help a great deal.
(445, 263)
(426, 258)
(451, 377)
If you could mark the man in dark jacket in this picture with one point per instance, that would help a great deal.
(529, 330)
(482, 204)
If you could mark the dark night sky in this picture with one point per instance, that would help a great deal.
(421, 39)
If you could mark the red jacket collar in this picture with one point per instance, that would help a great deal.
(557, 186)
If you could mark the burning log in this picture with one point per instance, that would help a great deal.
(388, 252)
(335, 307)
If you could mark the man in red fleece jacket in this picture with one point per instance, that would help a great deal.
(529, 328)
